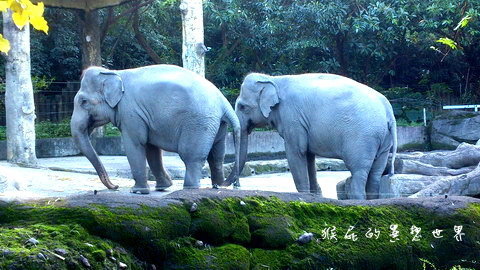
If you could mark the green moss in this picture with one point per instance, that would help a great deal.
(270, 259)
(259, 234)
(442, 146)
(228, 256)
(414, 147)
(272, 231)
(217, 223)
(20, 254)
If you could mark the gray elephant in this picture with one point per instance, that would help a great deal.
(156, 107)
(321, 114)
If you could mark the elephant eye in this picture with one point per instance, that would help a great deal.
(243, 107)
(83, 102)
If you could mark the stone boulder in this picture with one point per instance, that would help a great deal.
(8, 183)
(403, 185)
(454, 127)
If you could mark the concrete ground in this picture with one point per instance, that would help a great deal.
(64, 177)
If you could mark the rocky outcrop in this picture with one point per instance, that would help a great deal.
(431, 174)
(396, 186)
(454, 127)
(280, 166)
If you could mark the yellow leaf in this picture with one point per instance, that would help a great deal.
(35, 10)
(20, 19)
(4, 4)
(15, 6)
(4, 44)
(39, 23)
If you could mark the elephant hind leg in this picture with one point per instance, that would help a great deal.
(155, 162)
(359, 168)
(312, 174)
(375, 174)
(194, 148)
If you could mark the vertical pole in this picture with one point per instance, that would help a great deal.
(424, 117)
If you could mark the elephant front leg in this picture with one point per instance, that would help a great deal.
(155, 161)
(136, 155)
(312, 174)
(297, 161)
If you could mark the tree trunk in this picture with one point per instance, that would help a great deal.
(193, 49)
(19, 102)
(90, 39)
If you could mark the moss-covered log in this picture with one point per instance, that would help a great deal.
(235, 230)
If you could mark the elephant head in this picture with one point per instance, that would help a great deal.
(258, 95)
(94, 105)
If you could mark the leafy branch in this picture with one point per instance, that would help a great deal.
(23, 12)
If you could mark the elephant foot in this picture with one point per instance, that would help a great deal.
(162, 187)
(191, 187)
(141, 190)
(236, 185)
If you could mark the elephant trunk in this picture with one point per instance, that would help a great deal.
(81, 138)
(243, 149)
(242, 158)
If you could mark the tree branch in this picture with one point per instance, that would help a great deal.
(111, 20)
(142, 40)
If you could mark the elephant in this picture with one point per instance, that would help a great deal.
(321, 114)
(158, 107)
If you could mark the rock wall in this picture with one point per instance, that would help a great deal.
(261, 144)
(454, 127)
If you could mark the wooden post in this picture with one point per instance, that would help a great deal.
(193, 49)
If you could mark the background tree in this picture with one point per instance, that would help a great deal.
(383, 43)
(193, 49)
(20, 108)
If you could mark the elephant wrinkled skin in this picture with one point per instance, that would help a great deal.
(156, 107)
(326, 115)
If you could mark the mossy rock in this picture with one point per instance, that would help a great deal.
(228, 256)
(18, 254)
(166, 235)
(215, 224)
(272, 232)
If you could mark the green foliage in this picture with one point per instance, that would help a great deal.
(53, 130)
(111, 131)
(3, 133)
(40, 83)
(49, 129)
(448, 42)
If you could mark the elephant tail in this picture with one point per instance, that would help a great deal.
(232, 119)
(392, 126)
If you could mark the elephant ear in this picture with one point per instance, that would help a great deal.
(268, 97)
(112, 88)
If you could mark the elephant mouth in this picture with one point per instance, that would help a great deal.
(250, 127)
(92, 124)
